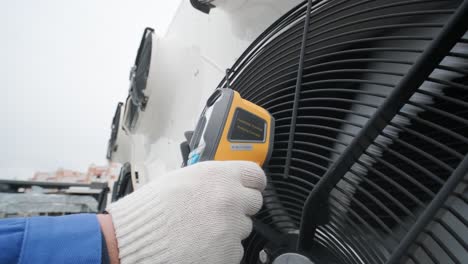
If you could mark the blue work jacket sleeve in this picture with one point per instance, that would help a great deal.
(73, 239)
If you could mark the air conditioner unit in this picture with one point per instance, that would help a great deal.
(370, 159)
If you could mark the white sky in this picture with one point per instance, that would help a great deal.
(64, 65)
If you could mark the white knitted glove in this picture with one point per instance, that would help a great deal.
(198, 214)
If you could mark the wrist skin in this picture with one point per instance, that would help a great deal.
(107, 228)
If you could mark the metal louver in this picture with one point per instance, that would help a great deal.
(370, 159)
(137, 99)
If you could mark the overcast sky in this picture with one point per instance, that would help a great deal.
(64, 65)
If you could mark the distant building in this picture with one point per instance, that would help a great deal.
(95, 173)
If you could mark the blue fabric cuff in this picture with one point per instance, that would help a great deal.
(11, 239)
(73, 239)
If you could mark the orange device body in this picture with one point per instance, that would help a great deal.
(232, 128)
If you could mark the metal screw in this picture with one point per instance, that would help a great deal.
(263, 256)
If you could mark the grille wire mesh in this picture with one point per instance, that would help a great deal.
(356, 52)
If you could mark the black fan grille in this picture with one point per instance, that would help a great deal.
(355, 54)
(115, 126)
(137, 100)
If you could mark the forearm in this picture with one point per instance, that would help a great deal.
(62, 239)
(107, 228)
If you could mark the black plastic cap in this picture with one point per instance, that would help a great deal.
(203, 7)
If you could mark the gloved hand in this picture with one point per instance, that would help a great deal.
(198, 214)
